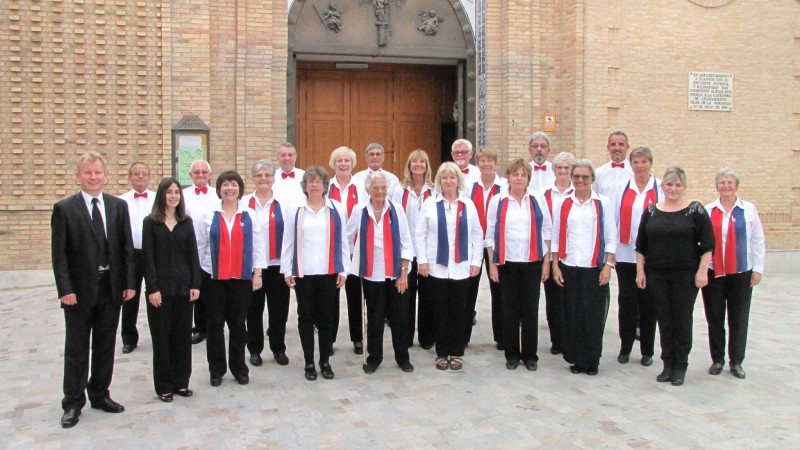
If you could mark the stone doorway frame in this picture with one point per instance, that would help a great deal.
(464, 62)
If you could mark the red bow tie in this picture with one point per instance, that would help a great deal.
(285, 175)
(202, 190)
(138, 195)
(465, 171)
(614, 165)
(538, 167)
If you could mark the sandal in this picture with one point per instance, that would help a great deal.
(441, 363)
(456, 363)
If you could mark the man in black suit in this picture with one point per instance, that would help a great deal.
(92, 253)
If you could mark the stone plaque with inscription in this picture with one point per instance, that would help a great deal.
(710, 91)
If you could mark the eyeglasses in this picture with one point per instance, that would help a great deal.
(460, 152)
(581, 177)
(374, 154)
(263, 175)
(539, 146)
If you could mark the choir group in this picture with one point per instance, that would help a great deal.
(409, 252)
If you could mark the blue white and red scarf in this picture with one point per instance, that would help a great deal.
(231, 253)
(535, 251)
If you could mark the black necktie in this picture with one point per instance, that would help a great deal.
(99, 233)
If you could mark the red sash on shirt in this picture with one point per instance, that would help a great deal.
(334, 193)
(481, 205)
(735, 255)
(599, 242)
(626, 210)
(407, 195)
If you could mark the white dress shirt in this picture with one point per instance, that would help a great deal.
(626, 251)
(315, 245)
(426, 238)
(204, 244)
(378, 264)
(541, 179)
(287, 190)
(473, 174)
(607, 178)
(518, 226)
(413, 206)
(198, 205)
(360, 178)
(556, 196)
(486, 190)
(263, 216)
(361, 193)
(755, 233)
(138, 209)
(581, 236)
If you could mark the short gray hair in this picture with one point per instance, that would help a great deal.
(564, 157)
(582, 163)
(199, 161)
(342, 151)
(262, 164)
(461, 142)
(373, 146)
(318, 172)
(540, 135)
(641, 151)
(727, 172)
(377, 175)
(674, 173)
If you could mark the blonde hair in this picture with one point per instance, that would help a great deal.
(420, 154)
(449, 167)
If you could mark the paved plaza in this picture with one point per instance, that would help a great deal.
(482, 406)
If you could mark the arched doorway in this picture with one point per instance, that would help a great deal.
(397, 72)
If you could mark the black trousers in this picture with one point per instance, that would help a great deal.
(411, 318)
(199, 305)
(731, 292)
(519, 282)
(383, 300)
(635, 306)
(449, 298)
(585, 312)
(130, 308)
(497, 302)
(426, 313)
(316, 303)
(94, 319)
(227, 303)
(171, 332)
(275, 294)
(674, 294)
(469, 305)
(554, 310)
(352, 290)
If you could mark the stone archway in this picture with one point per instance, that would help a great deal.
(363, 35)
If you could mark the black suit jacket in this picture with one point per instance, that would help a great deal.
(75, 251)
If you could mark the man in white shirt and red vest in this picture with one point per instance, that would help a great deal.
(200, 199)
(140, 201)
(618, 170)
(286, 188)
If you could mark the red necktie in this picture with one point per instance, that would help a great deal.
(138, 195)
(614, 165)
(285, 175)
(465, 171)
(202, 190)
(538, 167)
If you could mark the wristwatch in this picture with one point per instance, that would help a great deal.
(611, 264)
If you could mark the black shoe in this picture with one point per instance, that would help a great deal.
(310, 372)
(327, 370)
(358, 348)
(576, 369)
(255, 359)
(107, 405)
(128, 348)
(678, 376)
(512, 364)
(474, 319)
(369, 368)
(737, 371)
(166, 398)
(243, 379)
(665, 375)
(592, 371)
(531, 365)
(426, 346)
(281, 358)
(555, 350)
(647, 361)
(623, 358)
(715, 369)
(500, 346)
(198, 337)
(216, 381)
(70, 417)
(186, 392)
(406, 367)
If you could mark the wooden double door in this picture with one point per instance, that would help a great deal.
(402, 107)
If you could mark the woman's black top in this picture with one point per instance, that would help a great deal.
(675, 240)
(171, 264)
